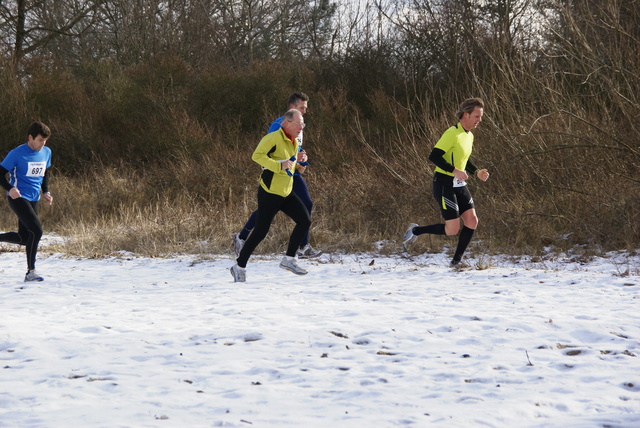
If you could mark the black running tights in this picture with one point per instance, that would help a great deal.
(29, 228)
(268, 206)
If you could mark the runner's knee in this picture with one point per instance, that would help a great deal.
(304, 221)
(451, 228)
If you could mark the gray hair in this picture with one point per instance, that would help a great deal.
(290, 114)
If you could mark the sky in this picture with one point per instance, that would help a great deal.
(363, 340)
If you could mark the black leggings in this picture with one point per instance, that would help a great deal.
(268, 206)
(29, 228)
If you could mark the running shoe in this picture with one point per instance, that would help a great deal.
(409, 237)
(290, 264)
(458, 264)
(239, 274)
(307, 252)
(32, 276)
(237, 244)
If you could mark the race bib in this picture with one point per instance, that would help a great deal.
(36, 169)
(458, 183)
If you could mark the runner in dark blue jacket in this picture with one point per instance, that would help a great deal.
(28, 168)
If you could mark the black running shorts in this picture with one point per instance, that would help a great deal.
(452, 200)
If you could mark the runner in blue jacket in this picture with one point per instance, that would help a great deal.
(28, 168)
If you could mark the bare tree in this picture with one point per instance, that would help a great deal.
(212, 31)
(30, 26)
(233, 31)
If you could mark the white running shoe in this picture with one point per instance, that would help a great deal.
(32, 276)
(290, 264)
(409, 237)
(239, 274)
(237, 244)
(307, 252)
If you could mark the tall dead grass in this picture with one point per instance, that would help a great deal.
(556, 182)
(558, 194)
(155, 159)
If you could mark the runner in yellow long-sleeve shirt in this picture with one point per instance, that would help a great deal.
(451, 156)
(278, 154)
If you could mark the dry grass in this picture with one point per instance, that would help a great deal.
(154, 159)
(363, 193)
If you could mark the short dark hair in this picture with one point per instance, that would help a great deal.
(38, 128)
(297, 96)
(468, 106)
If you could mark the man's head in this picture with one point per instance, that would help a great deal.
(38, 128)
(38, 134)
(292, 123)
(298, 101)
(470, 113)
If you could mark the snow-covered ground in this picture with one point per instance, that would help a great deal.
(361, 341)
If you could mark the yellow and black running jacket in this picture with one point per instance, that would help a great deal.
(271, 151)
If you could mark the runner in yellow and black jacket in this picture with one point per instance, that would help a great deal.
(451, 156)
(299, 101)
(277, 154)
(272, 150)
